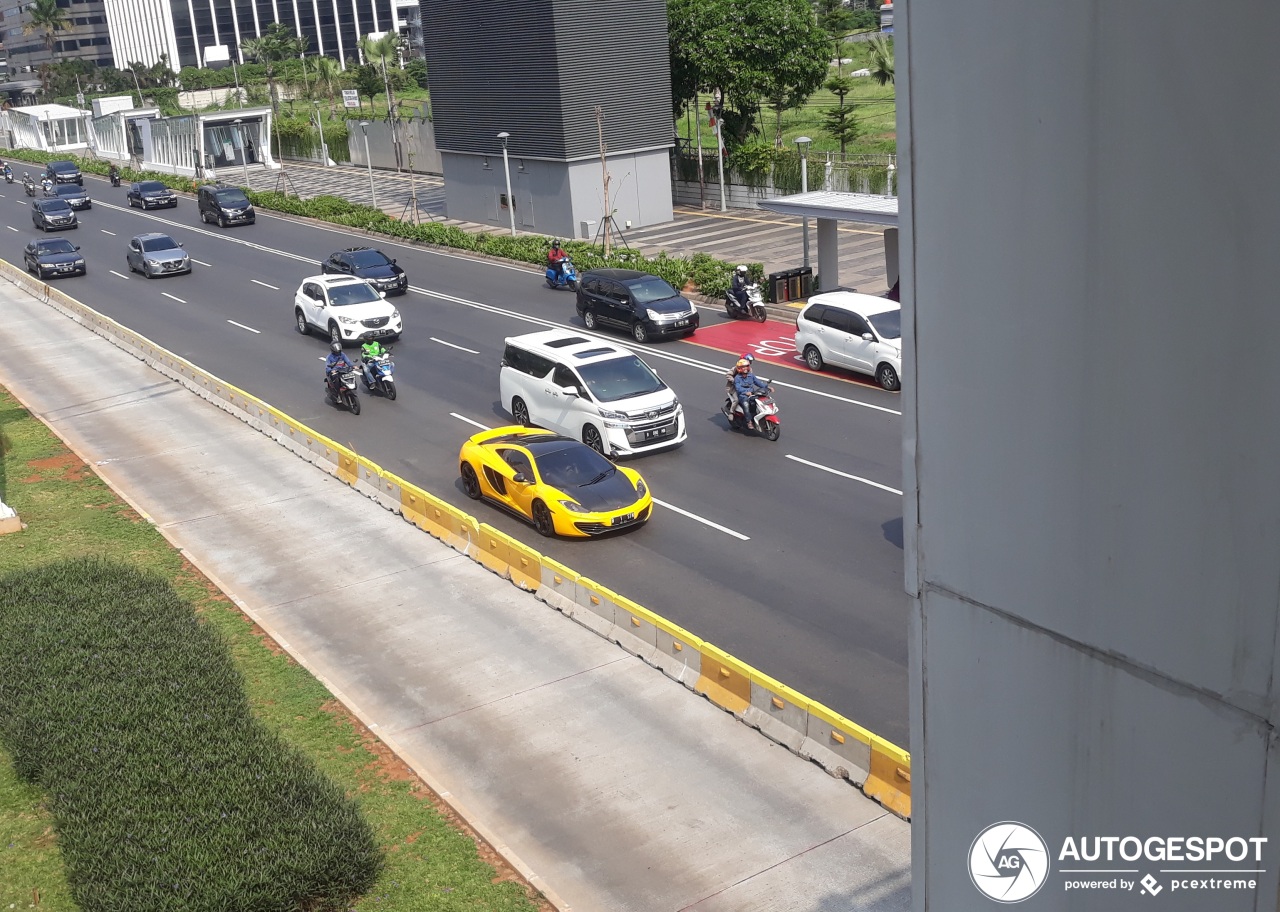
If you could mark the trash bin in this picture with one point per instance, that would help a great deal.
(790, 285)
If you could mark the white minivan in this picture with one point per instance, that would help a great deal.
(594, 391)
(858, 331)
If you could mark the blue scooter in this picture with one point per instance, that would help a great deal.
(382, 368)
(568, 277)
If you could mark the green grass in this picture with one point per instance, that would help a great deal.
(874, 105)
(431, 864)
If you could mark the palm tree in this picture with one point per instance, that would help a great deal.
(379, 51)
(50, 18)
(275, 44)
(327, 70)
(881, 62)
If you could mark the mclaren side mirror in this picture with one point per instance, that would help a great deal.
(521, 478)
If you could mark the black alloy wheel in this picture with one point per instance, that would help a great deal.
(470, 483)
(542, 520)
(591, 437)
(520, 412)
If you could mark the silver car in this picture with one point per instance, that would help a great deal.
(156, 254)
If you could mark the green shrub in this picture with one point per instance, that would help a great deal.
(709, 275)
(168, 794)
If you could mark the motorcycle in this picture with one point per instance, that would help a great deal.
(341, 388)
(115, 178)
(754, 309)
(764, 414)
(8, 175)
(382, 368)
(568, 276)
(29, 185)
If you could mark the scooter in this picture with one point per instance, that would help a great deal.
(382, 368)
(764, 414)
(8, 175)
(341, 388)
(754, 309)
(115, 179)
(568, 276)
(29, 185)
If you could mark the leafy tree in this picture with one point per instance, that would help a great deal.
(880, 51)
(835, 17)
(751, 50)
(416, 69)
(275, 45)
(368, 80)
(842, 125)
(327, 73)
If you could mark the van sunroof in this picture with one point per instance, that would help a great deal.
(592, 352)
(561, 343)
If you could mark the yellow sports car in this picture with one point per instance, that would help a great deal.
(560, 485)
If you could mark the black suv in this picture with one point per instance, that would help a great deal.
(64, 172)
(374, 266)
(47, 214)
(224, 205)
(642, 304)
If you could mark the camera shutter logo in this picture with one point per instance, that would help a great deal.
(1008, 862)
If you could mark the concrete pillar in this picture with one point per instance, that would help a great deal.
(1092, 436)
(828, 253)
(890, 256)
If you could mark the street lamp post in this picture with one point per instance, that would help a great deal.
(244, 167)
(506, 169)
(236, 73)
(324, 147)
(802, 143)
(364, 128)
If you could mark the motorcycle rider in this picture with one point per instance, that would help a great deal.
(738, 289)
(337, 363)
(555, 259)
(370, 352)
(28, 184)
(744, 384)
(47, 183)
(114, 174)
(8, 173)
(733, 371)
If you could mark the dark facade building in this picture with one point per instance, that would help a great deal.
(537, 70)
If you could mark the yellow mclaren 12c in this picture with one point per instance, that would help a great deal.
(561, 486)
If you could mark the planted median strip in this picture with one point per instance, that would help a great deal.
(157, 753)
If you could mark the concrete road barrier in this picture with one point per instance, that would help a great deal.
(807, 728)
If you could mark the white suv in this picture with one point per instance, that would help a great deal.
(345, 308)
(857, 331)
(597, 392)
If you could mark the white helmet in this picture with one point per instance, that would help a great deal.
(742, 269)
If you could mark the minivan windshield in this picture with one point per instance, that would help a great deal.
(63, 166)
(573, 467)
(353, 293)
(888, 325)
(55, 206)
(232, 198)
(650, 289)
(620, 378)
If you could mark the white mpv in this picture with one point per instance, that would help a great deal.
(857, 331)
(594, 391)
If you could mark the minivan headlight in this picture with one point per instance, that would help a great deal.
(653, 315)
(611, 415)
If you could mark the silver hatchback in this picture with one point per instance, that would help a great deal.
(156, 254)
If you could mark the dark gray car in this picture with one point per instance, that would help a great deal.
(151, 195)
(53, 214)
(636, 302)
(48, 257)
(156, 254)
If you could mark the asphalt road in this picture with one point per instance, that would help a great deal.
(786, 554)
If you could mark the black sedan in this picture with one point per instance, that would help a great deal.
(48, 257)
(151, 195)
(374, 266)
(77, 197)
(47, 214)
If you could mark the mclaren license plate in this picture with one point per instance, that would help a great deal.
(624, 518)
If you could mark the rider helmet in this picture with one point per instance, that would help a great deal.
(555, 242)
(742, 270)
(742, 365)
(336, 347)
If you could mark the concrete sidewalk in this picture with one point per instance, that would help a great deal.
(611, 786)
(738, 236)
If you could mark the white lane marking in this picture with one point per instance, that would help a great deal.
(201, 262)
(242, 326)
(265, 285)
(865, 481)
(11, 228)
(441, 341)
(167, 295)
(706, 522)
(105, 231)
(515, 315)
(21, 202)
(470, 422)
(662, 503)
(120, 274)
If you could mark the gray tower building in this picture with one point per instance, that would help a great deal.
(537, 69)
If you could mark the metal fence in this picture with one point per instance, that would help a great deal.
(780, 175)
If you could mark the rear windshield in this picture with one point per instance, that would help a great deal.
(620, 378)
(888, 325)
(573, 467)
(159, 243)
(232, 198)
(650, 289)
(355, 293)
